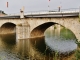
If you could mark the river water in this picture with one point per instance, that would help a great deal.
(55, 45)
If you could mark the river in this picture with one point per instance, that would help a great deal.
(55, 45)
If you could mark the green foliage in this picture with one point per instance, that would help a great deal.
(3, 12)
(66, 33)
(78, 43)
(0, 58)
(77, 55)
(56, 55)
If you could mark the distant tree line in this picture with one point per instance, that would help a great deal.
(2, 12)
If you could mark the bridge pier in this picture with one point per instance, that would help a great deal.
(22, 31)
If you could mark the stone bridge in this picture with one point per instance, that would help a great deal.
(34, 25)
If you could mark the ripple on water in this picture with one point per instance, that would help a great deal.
(60, 45)
(5, 55)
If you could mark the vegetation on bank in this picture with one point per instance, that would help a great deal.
(67, 34)
(77, 53)
(78, 43)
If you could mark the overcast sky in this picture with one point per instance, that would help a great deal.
(37, 5)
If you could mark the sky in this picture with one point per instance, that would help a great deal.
(14, 6)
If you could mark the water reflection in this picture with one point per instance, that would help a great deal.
(49, 47)
(9, 39)
(7, 47)
(64, 42)
(41, 48)
(61, 45)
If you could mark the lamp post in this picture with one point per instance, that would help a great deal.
(59, 8)
(48, 4)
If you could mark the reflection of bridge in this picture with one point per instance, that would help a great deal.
(34, 24)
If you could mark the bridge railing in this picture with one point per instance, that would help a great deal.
(11, 14)
(15, 14)
(71, 10)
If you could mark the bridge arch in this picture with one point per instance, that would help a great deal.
(39, 30)
(8, 24)
(8, 27)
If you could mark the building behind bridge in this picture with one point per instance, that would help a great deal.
(2, 13)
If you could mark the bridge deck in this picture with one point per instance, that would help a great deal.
(45, 14)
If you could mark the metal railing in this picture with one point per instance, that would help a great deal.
(70, 10)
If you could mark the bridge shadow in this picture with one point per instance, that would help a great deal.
(9, 39)
(39, 44)
(39, 30)
(8, 28)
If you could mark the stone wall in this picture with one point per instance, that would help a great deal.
(71, 23)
